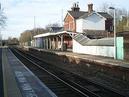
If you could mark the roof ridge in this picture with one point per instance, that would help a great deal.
(103, 14)
(77, 11)
(76, 14)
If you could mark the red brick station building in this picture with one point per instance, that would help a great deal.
(62, 39)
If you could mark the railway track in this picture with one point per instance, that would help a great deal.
(64, 83)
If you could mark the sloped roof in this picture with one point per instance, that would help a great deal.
(84, 16)
(103, 14)
(100, 42)
(76, 14)
(51, 34)
(85, 41)
(94, 32)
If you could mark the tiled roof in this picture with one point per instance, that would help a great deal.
(95, 33)
(77, 14)
(104, 14)
(84, 14)
(100, 42)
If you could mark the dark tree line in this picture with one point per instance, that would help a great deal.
(12, 41)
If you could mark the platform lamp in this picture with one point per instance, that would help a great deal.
(114, 12)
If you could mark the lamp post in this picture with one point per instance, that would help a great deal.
(114, 12)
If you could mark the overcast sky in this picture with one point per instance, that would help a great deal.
(21, 13)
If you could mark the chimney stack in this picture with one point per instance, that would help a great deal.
(90, 8)
(76, 7)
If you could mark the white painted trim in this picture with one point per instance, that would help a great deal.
(50, 34)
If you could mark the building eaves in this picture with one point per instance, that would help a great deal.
(52, 34)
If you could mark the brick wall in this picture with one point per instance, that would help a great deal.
(69, 24)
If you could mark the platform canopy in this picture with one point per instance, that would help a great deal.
(52, 34)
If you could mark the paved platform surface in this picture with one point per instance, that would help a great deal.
(91, 58)
(1, 75)
(19, 81)
(99, 59)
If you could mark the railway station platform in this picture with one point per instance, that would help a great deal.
(97, 59)
(19, 81)
(91, 58)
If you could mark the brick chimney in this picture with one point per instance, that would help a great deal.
(90, 8)
(76, 7)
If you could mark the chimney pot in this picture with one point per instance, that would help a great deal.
(90, 8)
(75, 7)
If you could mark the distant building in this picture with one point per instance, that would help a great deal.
(55, 29)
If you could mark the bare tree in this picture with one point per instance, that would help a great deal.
(104, 7)
(37, 31)
(121, 15)
(25, 36)
(119, 11)
(3, 18)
